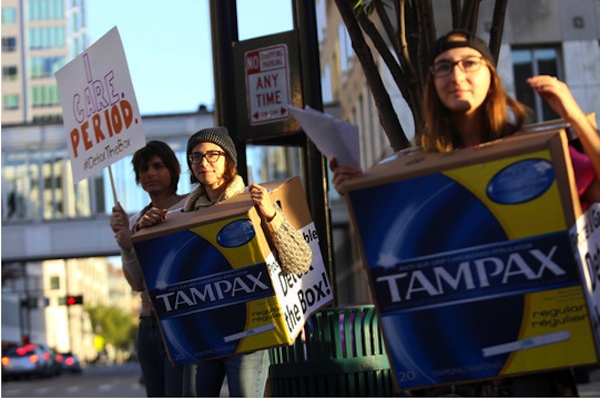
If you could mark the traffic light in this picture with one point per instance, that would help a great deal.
(29, 302)
(74, 300)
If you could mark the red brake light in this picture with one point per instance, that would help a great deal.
(46, 356)
(59, 358)
(69, 361)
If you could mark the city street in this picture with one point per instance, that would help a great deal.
(123, 381)
(591, 389)
(120, 381)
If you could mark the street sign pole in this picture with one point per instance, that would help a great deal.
(305, 23)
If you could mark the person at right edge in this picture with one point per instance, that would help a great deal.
(465, 105)
(212, 160)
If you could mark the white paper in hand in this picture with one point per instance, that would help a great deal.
(332, 136)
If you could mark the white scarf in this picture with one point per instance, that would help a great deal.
(199, 199)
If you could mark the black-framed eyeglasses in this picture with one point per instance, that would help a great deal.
(467, 64)
(211, 156)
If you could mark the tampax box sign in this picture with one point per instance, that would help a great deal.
(470, 261)
(216, 286)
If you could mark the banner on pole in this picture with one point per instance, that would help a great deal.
(100, 112)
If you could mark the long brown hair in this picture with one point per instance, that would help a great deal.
(437, 134)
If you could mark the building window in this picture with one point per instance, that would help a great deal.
(54, 282)
(10, 101)
(9, 73)
(47, 38)
(346, 51)
(326, 86)
(45, 67)
(9, 15)
(529, 62)
(48, 118)
(9, 44)
(45, 10)
(44, 96)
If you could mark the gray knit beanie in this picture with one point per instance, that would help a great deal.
(218, 135)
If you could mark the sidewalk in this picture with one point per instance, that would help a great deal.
(592, 388)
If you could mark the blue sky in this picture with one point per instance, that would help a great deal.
(168, 45)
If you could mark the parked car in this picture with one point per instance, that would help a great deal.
(25, 361)
(69, 362)
(55, 368)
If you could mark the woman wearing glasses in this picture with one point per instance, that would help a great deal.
(212, 159)
(464, 105)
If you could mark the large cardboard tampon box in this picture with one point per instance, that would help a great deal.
(470, 260)
(215, 284)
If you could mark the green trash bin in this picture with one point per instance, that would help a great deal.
(340, 352)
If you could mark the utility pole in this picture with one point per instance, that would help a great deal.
(305, 23)
(224, 31)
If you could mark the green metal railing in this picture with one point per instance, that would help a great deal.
(340, 352)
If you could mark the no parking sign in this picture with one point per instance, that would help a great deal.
(268, 84)
(267, 80)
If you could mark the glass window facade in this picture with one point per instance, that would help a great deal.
(44, 96)
(45, 10)
(47, 38)
(38, 185)
(45, 67)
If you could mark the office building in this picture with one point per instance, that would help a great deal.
(38, 38)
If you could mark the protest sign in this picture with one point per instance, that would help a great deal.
(100, 113)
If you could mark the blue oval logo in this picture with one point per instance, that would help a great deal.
(236, 234)
(521, 182)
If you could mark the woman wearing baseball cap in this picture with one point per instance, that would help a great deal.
(465, 105)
